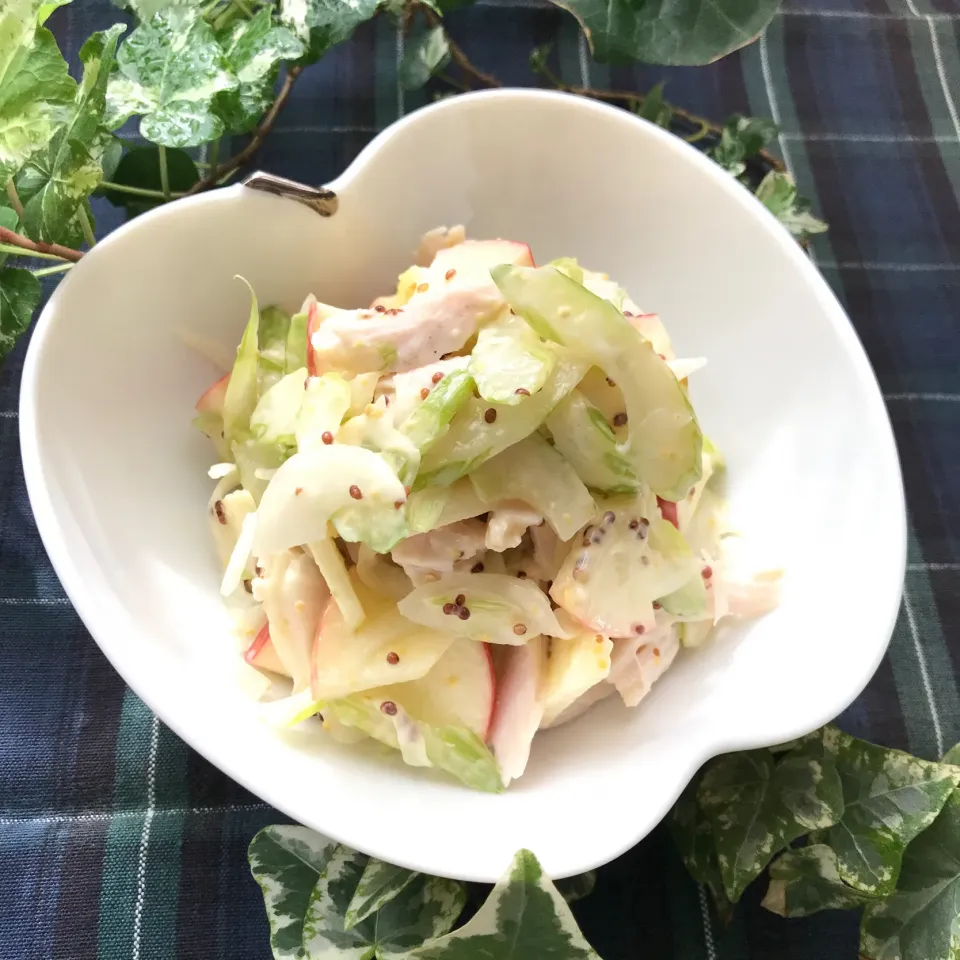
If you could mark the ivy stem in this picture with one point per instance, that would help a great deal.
(86, 227)
(19, 251)
(49, 271)
(214, 154)
(164, 173)
(216, 174)
(456, 84)
(14, 199)
(456, 53)
(137, 191)
(12, 242)
(699, 135)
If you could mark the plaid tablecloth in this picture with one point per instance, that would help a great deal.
(117, 841)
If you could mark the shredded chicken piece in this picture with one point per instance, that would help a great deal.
(428, 555)
(638, 662)
(441, 238)
(436, 321)
(508, 522)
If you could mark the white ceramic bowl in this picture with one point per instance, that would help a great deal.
(117, 479)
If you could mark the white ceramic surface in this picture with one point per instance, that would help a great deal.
(116, 474)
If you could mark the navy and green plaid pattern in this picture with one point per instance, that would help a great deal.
(117, 841)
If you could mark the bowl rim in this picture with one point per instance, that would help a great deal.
(71, 577)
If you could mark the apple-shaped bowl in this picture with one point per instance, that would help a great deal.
(117, 475)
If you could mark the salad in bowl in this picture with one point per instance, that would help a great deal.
(469, 511)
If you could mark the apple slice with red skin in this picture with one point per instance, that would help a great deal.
(261, 653)
(211, 400)
(476, 257)
(459, 690)
(668, 510)
(519, 707)
(313, 324)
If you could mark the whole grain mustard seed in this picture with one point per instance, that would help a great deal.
(393, 658)
(356, 492)
(326, 437)
(389, 708)
(490, 415)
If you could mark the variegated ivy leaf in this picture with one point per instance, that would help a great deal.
(808, 880)
(890, 797)
(693, 836)
(171, 69)
(322, 24)
(8, 219)
(423, 56)
(19, 296)
(524, 917)
(576, 888)
(286, 861)
(952, 756)
(756, 807)
(35, 87)
(426, 908)
(253, 50)
(674, 32)
(778, 193)
(57, 179)
(921, 919)
(47, 7)
(380, 882)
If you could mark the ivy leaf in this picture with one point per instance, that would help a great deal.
(952, 756)
(170, 70)
(35, 88)
(576, 888)
(57, 179)
(380, 882)
(145, 9)
(524, 917)
(19, 296)
(425, 54)
(919, 921)
(693, 836)
(426, 908)
(778, 193)
(539, 57)
(140, 169)
(47, 7)
(674, 32)
(322, 24)
(253, 50)
(287, 861)
(808, 880)
(756, 808)
(740, 139)
(10, 220)
(890, 798)
(655, 109)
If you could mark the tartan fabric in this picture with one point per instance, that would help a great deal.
(117, 841)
